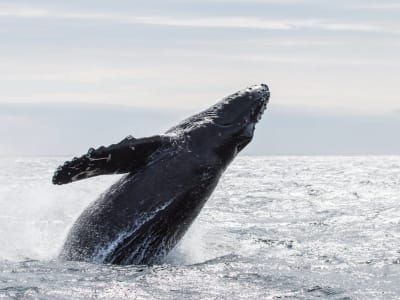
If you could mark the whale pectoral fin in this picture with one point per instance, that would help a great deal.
(124, 157)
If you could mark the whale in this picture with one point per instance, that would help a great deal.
(168, 179)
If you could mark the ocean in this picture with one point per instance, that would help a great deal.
(295, 227)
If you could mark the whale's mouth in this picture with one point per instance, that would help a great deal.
(260, 107)
(261, 94)
(258, 111)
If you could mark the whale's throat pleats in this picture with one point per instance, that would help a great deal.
(126, 156)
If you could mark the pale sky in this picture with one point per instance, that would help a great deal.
(324, 60)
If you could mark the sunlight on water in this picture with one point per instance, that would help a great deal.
(276, 227)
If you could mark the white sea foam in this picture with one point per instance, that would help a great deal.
(103, 252)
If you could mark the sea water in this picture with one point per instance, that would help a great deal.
(275, 228)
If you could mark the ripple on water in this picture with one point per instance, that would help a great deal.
(275, 228)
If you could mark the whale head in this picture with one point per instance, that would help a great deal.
(237, 115)
(228, 126)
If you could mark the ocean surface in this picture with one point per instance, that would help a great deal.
(275, 228)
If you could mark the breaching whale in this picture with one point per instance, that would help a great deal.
(170, 177)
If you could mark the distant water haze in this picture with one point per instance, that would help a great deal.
(65, 129)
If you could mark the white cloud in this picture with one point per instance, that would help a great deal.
(22, 12)
(303, 63)
(380, 5)
(314, 60)
(251, 1)
(202, 22)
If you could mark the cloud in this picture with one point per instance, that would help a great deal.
(199, 22)
(313, 60)
(253, 23)
(380, 6)
(251, 1)
(22, 12)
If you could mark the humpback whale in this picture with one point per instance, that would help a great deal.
(170, 176)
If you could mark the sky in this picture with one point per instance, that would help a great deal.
(76, 74)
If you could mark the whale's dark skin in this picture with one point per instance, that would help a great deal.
(170, 177)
